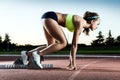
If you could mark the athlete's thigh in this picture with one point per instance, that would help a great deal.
(54, 29)
(49, 38)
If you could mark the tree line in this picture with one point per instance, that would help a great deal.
(109, 41)
(6, 45)
(100, 41)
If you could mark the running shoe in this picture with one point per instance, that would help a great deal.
(24, 57)
(37, 59)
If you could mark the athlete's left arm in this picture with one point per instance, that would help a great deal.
(77, 32)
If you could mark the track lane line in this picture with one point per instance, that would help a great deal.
(74, 75)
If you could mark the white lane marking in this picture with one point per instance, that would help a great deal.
(74, 75)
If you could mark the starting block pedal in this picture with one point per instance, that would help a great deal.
(18, 61)
(32, 65)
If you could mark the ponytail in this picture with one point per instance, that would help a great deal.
(86, 31)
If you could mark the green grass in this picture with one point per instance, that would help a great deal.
(100, 52)
(78, 52)
(91, 52)
(10, 53)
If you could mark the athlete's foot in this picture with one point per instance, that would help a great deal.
(37, 59)
(24, 57)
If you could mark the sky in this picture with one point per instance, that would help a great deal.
(21, 18)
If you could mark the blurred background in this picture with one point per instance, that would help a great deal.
(21, 29)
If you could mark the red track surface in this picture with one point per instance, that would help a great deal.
(88, 69)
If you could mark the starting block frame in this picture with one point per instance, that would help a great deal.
(30, 65)
(12, 66)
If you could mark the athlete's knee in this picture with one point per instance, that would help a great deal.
(64, 43)
(51, 42)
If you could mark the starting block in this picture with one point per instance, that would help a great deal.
(31, 65)
(18, 61)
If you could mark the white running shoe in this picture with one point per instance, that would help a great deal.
(37, 59)
(24, 57)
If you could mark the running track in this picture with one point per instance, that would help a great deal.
(89, 68)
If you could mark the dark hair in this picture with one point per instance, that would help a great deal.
(88, 16)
